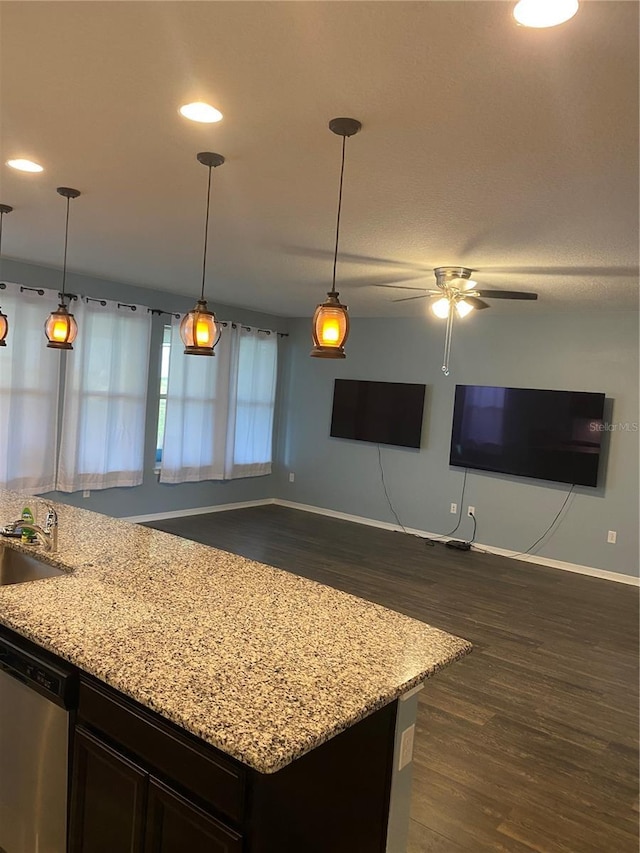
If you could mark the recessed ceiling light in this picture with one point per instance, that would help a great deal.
(25, 165)
(544, 13)
(201, 112)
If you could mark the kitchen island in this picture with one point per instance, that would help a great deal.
(285, 682)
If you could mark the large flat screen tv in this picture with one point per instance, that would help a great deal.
(382, 412)
(547, 435)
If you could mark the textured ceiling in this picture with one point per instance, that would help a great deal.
(509, 150)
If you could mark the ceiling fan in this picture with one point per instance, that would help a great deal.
(456, 295)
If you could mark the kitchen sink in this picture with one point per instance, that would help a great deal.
(18, 567)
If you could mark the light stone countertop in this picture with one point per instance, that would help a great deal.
(260, 663)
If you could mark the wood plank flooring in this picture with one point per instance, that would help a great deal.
(530, 743)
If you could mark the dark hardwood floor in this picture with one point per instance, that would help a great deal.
(530, 743)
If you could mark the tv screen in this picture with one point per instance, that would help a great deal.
(547, 435)
(382, 412)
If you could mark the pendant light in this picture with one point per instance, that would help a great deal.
(61, 328)
(4, 320)
(199, 328)
(330, 328)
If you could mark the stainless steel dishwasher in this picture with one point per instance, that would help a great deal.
(35, 697)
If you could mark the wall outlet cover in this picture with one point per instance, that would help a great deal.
(406, 747)
(612, 537)
(471, 510)
(454, 509)
(292, 477)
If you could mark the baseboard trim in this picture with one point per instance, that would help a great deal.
(564, 566)
(199, 510)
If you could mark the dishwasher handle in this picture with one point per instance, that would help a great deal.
(55, 683)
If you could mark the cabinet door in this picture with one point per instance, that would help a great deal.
(108, 799)
(175, 825)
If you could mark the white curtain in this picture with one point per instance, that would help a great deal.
(105, 398)
(195, 427)
(251, 403)
(29, 377)
(219, 416)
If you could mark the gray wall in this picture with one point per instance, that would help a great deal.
(596, 352)
(152, 496)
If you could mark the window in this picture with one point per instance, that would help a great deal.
(219, 411)
(165, 353)
(255, 387)
(29, 383)
(105, 396)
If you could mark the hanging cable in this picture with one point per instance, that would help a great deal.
(432, 539)
(384, 486)
(550, 527)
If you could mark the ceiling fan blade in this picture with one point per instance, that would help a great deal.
(478, 304)
(506, 294)
(407, 298)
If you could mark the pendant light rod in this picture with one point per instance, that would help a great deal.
(335, 254)
(68, 193)
(210, 160)
(343, 127)
(4, 320)
(4, 208)
(206, 236)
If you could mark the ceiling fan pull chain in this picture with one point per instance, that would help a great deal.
(447, 341)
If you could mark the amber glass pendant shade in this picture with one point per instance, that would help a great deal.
(61, 328)
(199, 330)
(330, 328)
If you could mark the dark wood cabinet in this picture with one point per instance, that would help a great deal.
(175, 825)
(108, 803)
(118, 807)
(140, 784)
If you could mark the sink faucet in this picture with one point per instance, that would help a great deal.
(47, 536)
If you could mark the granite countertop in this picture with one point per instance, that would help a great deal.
(260, 663)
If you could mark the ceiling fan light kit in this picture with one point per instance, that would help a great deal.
(61, 328)
(330, 325)
(199, 328)
(456, 296)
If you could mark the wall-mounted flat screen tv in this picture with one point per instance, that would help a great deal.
(547, 435)
(382, 412)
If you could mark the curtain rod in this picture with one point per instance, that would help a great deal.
(248, 329)
(157, 311)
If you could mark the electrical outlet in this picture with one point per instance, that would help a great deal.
(292, 477)
(406, 747)
(471, 510)
(86, 493)
(612, 537)
(454, 509)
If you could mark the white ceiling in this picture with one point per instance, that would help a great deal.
(509, 150)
